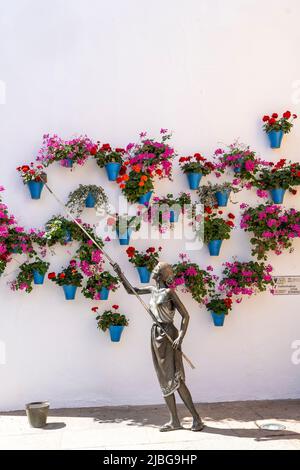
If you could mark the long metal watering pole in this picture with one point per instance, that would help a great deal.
(110, 260)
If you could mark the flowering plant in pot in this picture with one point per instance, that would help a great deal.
(145, 161)
(245, 278)
(110, 158)
(273, 228)
(30, 273)
(90, 257)
(137, 185)
(237, 157)
(144, 261)
(195, 167)
(87, 196)
(124, 225)
(199, 282)
(276, 127)
(58, 229)
(172, 205)
(34, 178)
(216, 194)
(113, 321)
(219, 307)
(18, 241)
(165, 211)
(277, 179)
(66, 152)
(216, 229)
(99, 285)
(69, 279)
(152, 156)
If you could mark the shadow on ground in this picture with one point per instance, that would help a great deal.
(237, 419)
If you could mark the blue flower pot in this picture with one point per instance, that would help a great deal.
(275, 138)
(69, 163)
(68, 237)
(218, 318)
(90, 201)
(145, 198)
(35, 188)
(194, 180)
(38, 278)
(222, 198)
(174, 216)
(70, 292)
(112, 170)
(144, 274)
(277, 195)
(115, 333)
(238, 165)
(124, 238)
(104, 292)
(214, 247)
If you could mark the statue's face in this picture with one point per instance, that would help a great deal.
(156, 273)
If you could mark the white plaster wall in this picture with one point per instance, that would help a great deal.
(208, 70)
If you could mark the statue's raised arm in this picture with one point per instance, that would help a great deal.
(129, 288)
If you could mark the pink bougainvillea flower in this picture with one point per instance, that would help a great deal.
(262, 193)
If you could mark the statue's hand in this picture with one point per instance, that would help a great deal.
(177, 343)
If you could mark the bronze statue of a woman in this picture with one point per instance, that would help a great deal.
(167, 358)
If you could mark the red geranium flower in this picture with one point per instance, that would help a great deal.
(93, 150)
(275, 115)
(228, 302)
(94, 309)
(208, 210)
(62, 275)
(287, 115)
(115, 307)
(229, 223)
(51, 275)
(272, 121)
(25, 168)
(119, 150)
(231, 216)
(130, 251)
(158, 172)
(151, 249)
(122, 170)
(106, 147)
(182, 159)
(266, 118)
(199, 157)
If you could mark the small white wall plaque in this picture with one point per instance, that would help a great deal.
(286, 285)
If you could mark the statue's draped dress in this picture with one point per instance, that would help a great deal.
(167, 361)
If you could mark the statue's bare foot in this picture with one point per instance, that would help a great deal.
(171, 426)
(197, 425)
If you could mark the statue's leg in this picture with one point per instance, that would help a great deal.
(174, 422)
(188, 401)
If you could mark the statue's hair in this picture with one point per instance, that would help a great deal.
(168, 270)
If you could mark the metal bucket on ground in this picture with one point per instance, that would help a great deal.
(37, 413)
